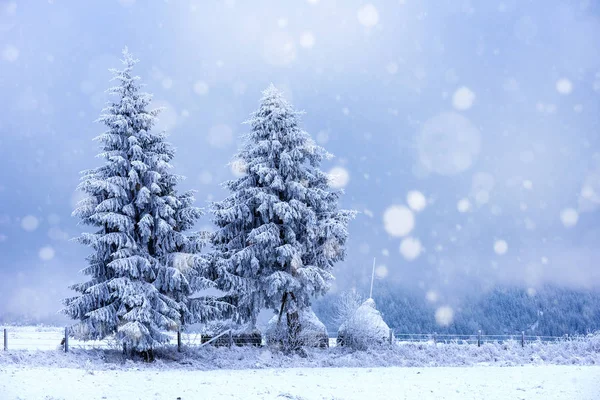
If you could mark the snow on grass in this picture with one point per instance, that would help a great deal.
(49, 338)
(530, 382)
(583, 351)
(556, 370)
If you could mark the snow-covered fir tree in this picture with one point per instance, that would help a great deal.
(280, 231)
(144, 266)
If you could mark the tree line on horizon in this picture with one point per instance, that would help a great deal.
(504, 310)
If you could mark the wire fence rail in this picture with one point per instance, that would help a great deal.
(55, 338)
(478, 338)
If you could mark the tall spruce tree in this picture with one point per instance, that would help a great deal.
(144, 266)
(279, 231)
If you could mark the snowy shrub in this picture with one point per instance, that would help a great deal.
(365, 328)
(346, 305)
(312, 331)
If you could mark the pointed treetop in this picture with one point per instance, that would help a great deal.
(272, 95)
(272, 91)
(128, 59)
(124, 75)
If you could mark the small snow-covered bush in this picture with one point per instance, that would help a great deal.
(313, 332)
(364, 329)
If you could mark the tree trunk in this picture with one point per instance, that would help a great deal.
(283, 299)
(148, 355)
(293, 323)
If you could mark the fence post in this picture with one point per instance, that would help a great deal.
(230, 337)
(5, 340)
(391, 336)
(434, 338)
(179, 340)
(522, 338)
(479, 338)
(66, 339)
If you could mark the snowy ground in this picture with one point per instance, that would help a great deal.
(525, 382)
(36, 368)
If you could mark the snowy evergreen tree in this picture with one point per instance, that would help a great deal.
(144, 266)
(279, 231)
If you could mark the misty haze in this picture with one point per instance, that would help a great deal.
(439, 157)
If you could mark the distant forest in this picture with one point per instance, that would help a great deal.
(550, 311)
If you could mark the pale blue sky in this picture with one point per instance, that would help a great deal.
(485, 107)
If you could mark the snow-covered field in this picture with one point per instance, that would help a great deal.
(525, 382)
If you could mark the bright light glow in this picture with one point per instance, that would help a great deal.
(587, 192)
(500, 247)
(307, 40)
(410, 248)
(416, 200)
(30, 223)
(381, 271)
(444, 315)
(432, 296)
(338, 177)
(398, 220)
(238, 168)
(463, 98)
(46, 253)
(564, 86)
(569, 217)
(368, 15)
(463, 205)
